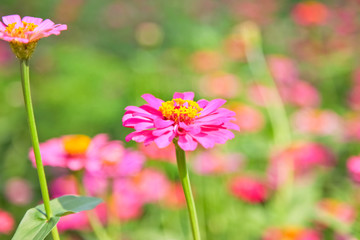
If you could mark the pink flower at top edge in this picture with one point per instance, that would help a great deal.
(7, 222)
(27, 29)
(182, 118)
(249, 189)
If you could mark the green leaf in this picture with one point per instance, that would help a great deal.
(34, 226)
(69, 204)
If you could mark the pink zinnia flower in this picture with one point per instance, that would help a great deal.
(27, 29)
(249, 189)
(6, 222)
(97, 155)
(181, 118)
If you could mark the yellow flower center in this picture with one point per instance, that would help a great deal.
(20, 31)
(180, 110)
(76, 144)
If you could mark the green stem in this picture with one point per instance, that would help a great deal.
(185, 181)
(24, 67)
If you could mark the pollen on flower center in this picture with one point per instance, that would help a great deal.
(76, 144)
(180, 110)
(20, 31)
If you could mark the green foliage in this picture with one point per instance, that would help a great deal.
(35, 226)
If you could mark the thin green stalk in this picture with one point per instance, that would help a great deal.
(24, 67)
(274, 107)
(185, 181)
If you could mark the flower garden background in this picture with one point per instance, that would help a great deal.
(290, 71)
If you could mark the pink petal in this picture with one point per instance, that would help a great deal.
(11, 19)
(164, 140)
(33, 20)
(160, 123)
(159, 132)
(152, 101)
(204, 140)
(2, 27)
(185, 95)
(187, 143)
(46, 24)
(203, 103)
(212, 106)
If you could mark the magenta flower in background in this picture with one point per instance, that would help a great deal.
(249, 189)
(181, 118)
(27, 29)
(304, 157)
(353, 167)
(7, 222)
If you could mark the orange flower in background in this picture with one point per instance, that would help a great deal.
(291, 233)
(310, 13)
(220, 84)
(248, 118)
(341, 211)
(206, 61)
(317, 122)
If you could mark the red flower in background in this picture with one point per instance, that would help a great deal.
(310, 13)
(6, 222)
(249, 189)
